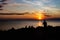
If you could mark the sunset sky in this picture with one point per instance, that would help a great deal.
(50, 7)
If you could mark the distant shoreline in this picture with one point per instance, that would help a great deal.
(29, 19)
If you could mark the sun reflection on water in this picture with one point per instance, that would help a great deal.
(39, 23)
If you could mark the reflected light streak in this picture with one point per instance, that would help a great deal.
(39, 23)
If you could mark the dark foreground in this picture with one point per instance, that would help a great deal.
(31, 33)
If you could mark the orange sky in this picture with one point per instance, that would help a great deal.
(36, 15)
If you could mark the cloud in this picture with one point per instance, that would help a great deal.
(40, 3)
(52, 10)
(34, 2)
(37, 2)
(31, 5)
(46, 1)
(18, 4)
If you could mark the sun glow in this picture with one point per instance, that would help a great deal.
(40, 16)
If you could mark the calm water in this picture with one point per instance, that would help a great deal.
(5, 25)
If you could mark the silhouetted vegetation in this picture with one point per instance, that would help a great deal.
(30, 33)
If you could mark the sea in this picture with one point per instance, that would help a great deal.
(17, 24)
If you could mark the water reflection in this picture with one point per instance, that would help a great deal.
(39, 23)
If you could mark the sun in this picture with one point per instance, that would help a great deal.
(40, 16)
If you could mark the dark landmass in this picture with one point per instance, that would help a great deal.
(47, 32)
(31, 33)
(54, 19)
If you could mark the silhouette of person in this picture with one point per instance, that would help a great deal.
(45, 23)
